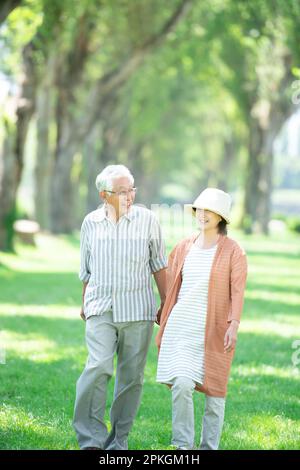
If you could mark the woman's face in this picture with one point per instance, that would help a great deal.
(208, 220)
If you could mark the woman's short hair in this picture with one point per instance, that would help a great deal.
(222, 226)
(104, 179)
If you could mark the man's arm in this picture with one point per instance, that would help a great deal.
(84, 271)
(161, 282)
(83, 293)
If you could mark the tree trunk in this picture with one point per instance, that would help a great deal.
(13, 148)
(6, 7)
(105, 143)
(265, 186)
(72, 129)
(223, 176)
(92, 157)
(61, 193)
(43, 157)
(9, 172)
(259, 183)
(252, 197)
(263, 130)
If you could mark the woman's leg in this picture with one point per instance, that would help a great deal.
(183, 412)
(212, 423)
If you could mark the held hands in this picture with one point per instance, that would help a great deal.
(157, 321)
(158, 315)
(82, 315)
(230, 337)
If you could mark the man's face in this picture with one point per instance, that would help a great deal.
(122, 196)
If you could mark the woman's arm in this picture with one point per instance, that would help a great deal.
(230, 337)
(238, 278)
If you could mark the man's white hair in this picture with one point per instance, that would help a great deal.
(104, 180)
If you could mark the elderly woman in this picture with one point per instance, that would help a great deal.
(200, 319)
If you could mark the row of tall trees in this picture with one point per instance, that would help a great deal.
(185, 92)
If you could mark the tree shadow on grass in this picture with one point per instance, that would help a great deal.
(41, 288)
(276, 288)
(62, 331)
(68, 331)
(263, 348)
(250, 394)
(46, 391)
(72, 239)
(23, 438)
(275, 254)
(260, 309)
(37, 395)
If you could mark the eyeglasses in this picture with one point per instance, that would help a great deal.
(131, 191)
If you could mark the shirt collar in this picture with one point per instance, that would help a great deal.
(100, 214)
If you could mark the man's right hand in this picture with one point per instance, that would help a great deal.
(82, 314)
(158, 314)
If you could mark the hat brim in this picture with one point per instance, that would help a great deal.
(190, 208)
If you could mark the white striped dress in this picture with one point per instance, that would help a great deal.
(182, 347)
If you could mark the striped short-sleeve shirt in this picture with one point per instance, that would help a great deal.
(117, 261)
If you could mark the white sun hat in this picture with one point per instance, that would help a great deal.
(214, 200)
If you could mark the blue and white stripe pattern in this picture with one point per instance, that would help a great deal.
(183, 342)
(117, 261)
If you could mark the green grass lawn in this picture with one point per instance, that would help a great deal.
(43, 337)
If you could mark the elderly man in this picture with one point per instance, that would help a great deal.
(121, 246)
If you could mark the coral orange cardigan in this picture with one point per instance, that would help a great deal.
(225, 303)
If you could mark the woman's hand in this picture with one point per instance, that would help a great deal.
(230, 337)
(158, 340)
